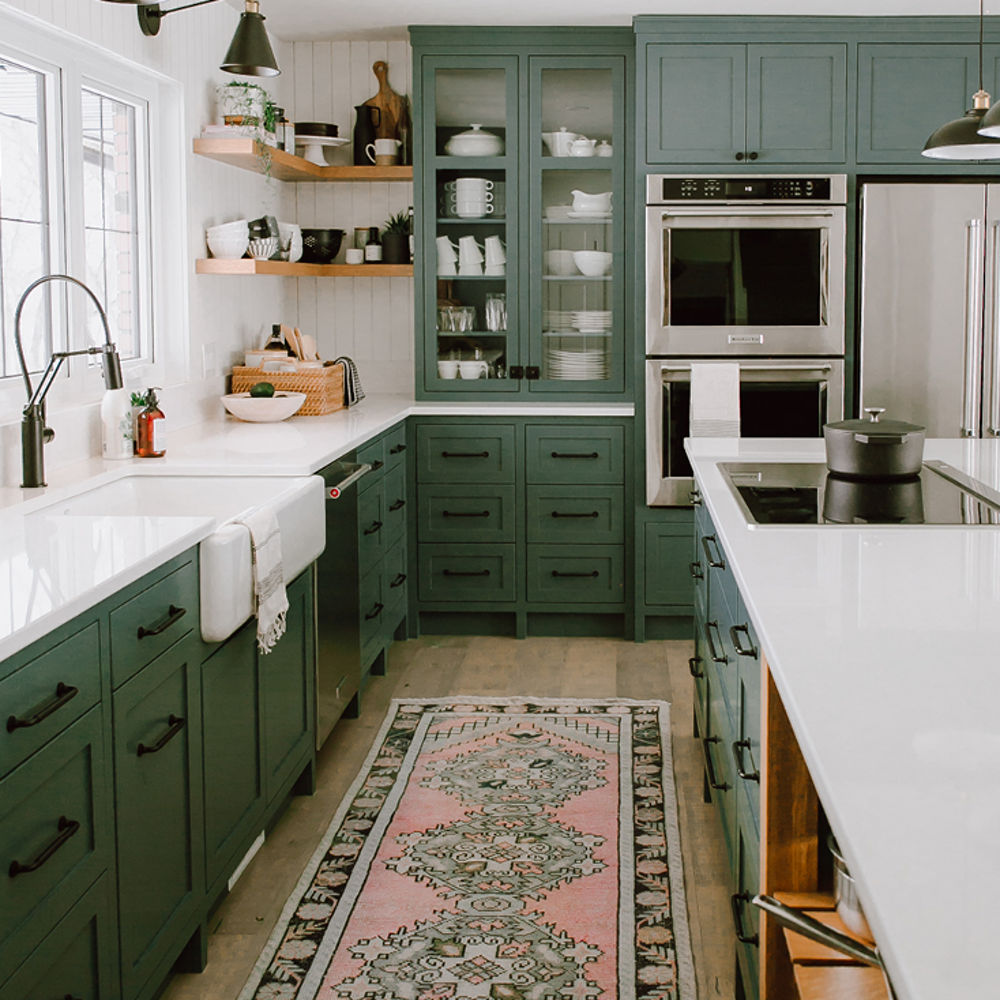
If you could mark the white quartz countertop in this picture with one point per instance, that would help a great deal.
(884, 644)
(52, 569)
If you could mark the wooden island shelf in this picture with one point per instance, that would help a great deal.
(247, 265)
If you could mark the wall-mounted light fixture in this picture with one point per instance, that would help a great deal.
(249, 52)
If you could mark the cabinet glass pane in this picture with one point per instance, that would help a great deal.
(577, 112)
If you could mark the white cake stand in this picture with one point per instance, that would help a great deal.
(313, 146)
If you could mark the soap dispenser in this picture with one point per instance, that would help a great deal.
(151, 428)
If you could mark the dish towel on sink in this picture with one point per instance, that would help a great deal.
(353, 393)
(270, 599)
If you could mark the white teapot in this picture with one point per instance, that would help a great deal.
(582, 146)
(559, 143)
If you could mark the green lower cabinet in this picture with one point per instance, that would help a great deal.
(577, 574)
(467, 573)
(158, 786)
(467, 513)
(574, 454)
(455, 454)
(394, 498)
(372, 604)
(667, 564)
(394, 576)
(371, 525)
(587, 514)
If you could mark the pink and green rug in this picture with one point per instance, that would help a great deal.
(500, 849)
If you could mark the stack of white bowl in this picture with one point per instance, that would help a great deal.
(228, 241)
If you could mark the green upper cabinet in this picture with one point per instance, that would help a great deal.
(522, 201)
(731, 103)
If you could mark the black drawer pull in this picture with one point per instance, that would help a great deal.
(465, 454)
(736, 901)
(718, 562)
(397, 504)
(64, 693)
(397, 449)
(373, 527)
(465, 513)
(174, 614)
(471, 572)
(176, 724)
(738, 747)
(376, 465)
(66, 827)
(709, 766)
(712, 649)
(575, 454)
(375, 612)
(696, 571)
(693, 662)
(559, 513)
(748, 649)
(593, 574)
(399, 580)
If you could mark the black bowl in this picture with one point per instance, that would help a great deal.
(320, 246)
(324, 130)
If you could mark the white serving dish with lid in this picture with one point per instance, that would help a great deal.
(474, 142)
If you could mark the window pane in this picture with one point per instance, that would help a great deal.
(24, 222)
(111, 217)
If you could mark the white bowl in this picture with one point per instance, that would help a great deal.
(228, 247)
(263, 247)
(593, 263)
(474, 143)
(559, 262)
(263, 409)
(584, 202)
(558, 213)
(226, 228)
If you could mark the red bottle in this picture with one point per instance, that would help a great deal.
(150, 440)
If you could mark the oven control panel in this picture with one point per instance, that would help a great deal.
(672, 189)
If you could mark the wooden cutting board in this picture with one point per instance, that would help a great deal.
(395, 115)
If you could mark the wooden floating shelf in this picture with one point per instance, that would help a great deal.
(246, 154)
(247, 265)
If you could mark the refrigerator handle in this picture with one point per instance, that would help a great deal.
(992, 324)
(972, 384)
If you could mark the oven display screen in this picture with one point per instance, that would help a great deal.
(745, 277)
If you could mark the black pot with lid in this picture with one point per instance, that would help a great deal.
(874, 448)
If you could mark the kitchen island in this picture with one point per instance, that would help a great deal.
(882, 644)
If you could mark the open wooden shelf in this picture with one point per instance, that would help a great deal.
(245, 153)
(247, 265)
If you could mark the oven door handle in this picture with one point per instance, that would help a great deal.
(726, 213)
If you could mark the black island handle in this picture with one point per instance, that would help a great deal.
(67, 828)
(64, 694)
(175, 724)
(174, 614)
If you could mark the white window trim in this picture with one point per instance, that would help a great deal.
(83, 63)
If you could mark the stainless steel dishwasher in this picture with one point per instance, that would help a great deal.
(338, 657)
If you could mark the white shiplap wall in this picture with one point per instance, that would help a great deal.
(369, 319)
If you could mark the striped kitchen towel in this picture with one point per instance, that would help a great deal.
(270, 599)
(353, 393)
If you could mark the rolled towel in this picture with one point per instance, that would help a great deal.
(270, 599)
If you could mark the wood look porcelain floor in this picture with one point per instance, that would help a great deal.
(435, 667)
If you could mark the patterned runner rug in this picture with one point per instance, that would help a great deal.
(500, 849)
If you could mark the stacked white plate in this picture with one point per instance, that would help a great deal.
(589, 363)
(560, 320)
(558, 213)
(592, 320)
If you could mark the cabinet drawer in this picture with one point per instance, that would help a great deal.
(372, 453)
(565, 574)
(473, 454)
(145, 626)
(590, 514)
(372, 604)
(394, 494)
(466, 514)
(591, 453)
(467, 573)
(371, 528)
(394, 442)
(55, 825)
(47, 694)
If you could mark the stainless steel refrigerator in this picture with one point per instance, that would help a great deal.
(930, 298)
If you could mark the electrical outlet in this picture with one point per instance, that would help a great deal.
(209, 361)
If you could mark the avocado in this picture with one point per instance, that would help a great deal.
(262, 389)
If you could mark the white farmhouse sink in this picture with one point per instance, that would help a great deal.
(225, 559)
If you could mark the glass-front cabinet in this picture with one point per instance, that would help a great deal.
(521, 213)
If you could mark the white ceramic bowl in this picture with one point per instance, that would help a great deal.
(263, 409)
(559, 262)
(592, 263)
(584, 202)
(227, 228)
(227, 247)
(263, 247)
(558, 213)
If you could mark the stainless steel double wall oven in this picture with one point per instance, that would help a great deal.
(748, 269)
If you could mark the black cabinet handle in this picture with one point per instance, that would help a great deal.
(64, 693)
(397, 449)
(592, 574)
(376, 465)
(718, 562)
(576, 454)
(736, 901)
(712, 649)
(373, 527)
(375, 612)
(465, 513)
(752, 156)
(696, 571)
(465, 454)
(516, 371)
(710, 767)
(695, 497)
(66, 827)
(176, 724)
(693, 662)
(740, 156)
(174, 614)
(738, 747)
(559, 513)
(532, 372)
(741, 650)
(471, 572)
(397, 504)
(399, 580)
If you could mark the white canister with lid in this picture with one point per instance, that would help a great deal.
(474, 142)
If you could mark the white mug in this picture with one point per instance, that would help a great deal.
(447, 369)
(472, 369)
(383, 148)
(473, 209)
(469, 248)
(354, 256)
(446, 249)
(495, 253)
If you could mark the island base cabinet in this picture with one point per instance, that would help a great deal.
(159, 816)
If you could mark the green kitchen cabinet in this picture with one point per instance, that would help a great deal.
(732, 103)
(505, 305)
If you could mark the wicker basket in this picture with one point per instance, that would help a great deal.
(324, 387)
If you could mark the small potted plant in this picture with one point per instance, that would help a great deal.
(248, 108)
(396, 239)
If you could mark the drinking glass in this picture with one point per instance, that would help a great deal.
(496, 311)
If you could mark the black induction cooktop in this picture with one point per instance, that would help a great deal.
(807, 493)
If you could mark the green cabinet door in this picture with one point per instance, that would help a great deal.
(287, 680)
(466, 513)
(157, 750)
(575, 453)
(695, 103)
(668, 569)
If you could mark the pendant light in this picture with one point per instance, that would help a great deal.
(962, 139)
(249, 53)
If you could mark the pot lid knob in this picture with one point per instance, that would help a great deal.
(874, 412)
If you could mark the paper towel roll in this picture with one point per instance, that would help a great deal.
(715, 400)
